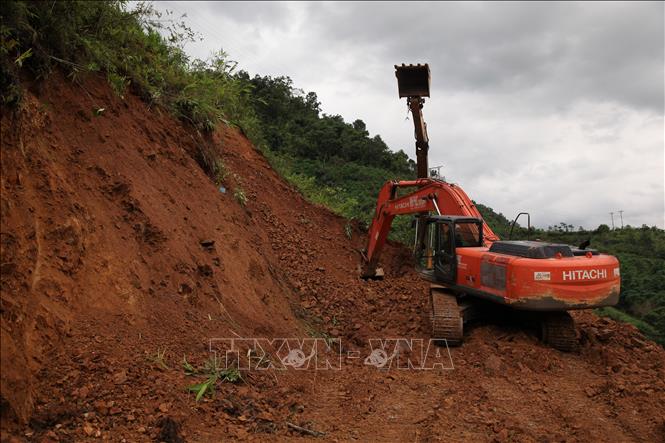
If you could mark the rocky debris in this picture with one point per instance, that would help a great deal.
(109, 316)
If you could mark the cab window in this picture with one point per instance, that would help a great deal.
(467, 234)
(445, 233)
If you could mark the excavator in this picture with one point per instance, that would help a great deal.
(468, 266)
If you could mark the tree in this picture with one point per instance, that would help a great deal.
(360, 126)
(602, 229)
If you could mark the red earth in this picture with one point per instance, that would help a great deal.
(120, 257)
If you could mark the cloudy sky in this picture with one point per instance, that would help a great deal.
(551, 108)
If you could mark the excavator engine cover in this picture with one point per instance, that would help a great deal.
(413, 80)
(530, 249)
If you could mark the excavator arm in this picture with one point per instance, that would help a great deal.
(430, 196)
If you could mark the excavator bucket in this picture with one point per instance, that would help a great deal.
(413, 80)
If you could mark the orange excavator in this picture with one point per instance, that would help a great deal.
(466, 262)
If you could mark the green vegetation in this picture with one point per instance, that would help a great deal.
(128, 46)
(332, 162)
(159, 359)
(240, 196)
(213, 373)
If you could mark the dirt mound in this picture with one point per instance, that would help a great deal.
(120, 256)
(109, 219)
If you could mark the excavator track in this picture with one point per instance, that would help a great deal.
(558, 331)
(446, 317)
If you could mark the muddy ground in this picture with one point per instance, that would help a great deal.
(120, 256)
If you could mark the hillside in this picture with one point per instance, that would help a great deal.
(131, 236)
(95, 290)
(336, 164)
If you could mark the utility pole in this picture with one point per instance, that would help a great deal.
(621, 215)
(612, 215)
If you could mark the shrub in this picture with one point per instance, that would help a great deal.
(129, 47)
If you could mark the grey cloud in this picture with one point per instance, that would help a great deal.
(264, 14)
(554, 108)
(562, 52)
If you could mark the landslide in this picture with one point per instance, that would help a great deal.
(120, 256)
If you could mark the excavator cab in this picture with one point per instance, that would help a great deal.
(444, 234)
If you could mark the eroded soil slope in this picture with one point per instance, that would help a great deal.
(120, 256)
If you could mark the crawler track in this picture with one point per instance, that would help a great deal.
(445, 317)
(558, 331)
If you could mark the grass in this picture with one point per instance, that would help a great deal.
(207, 386)
(159, 359)
(137, 48)
(348, 230)
(214, 375)
(240, 196)
(188, 368)
(330, 197)
(220, 172)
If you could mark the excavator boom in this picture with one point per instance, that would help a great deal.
(431, 195)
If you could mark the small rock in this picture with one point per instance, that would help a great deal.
(83, 392)
(141, 430)
(89, 430)
(120, 377)
(100, 407)
(492, 365)
(605, 335)
(164, 407)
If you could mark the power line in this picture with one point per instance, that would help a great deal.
(612, 215)
(621, 215)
